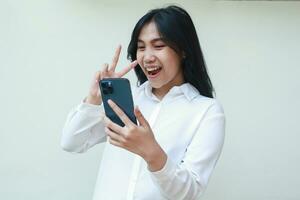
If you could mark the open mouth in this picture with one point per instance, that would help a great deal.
(152, 71)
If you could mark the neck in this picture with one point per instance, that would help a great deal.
(162, 91)
(159, 93)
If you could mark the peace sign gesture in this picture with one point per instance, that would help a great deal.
(107, 71)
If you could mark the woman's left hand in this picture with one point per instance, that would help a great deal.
(138, 139)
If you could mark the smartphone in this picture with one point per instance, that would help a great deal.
(118, 90)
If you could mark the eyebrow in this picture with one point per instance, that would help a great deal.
(153, 40)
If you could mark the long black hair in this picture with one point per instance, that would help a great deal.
(178, 31)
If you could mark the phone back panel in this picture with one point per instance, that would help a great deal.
(118, 90)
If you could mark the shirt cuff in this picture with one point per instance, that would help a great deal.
(91, 109)
(166, 172)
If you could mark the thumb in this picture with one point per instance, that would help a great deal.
(95, 89)
(139, 116)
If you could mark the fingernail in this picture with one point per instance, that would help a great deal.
(110, 102)
(138, 109)
(134, 63)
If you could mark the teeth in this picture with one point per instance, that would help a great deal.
(152, 69)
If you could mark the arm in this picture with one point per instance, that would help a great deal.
(83, 128)
(188, 180)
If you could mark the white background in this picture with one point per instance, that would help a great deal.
(50, 49)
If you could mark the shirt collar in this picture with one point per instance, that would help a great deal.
(188, 90)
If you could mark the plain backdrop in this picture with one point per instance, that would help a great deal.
(50, 49)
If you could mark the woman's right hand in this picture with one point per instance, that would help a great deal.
(107, 71)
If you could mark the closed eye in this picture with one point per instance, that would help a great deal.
(159, 46)
(140, 48)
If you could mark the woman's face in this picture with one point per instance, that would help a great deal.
(159, 62)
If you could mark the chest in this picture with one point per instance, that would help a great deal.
(174, 124)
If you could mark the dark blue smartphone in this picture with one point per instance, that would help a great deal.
(118, 90)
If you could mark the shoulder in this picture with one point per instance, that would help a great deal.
(198, 100)
(212, 103)
(210, 106)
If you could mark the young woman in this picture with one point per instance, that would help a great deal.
(173, 150)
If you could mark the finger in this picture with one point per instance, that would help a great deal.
(120, 113)
(115, 58)
(115, 143)
(127, 69)
(96, 79)
(114, 136)
(104, 70)
(141, 119)
(94, 89)
(104, 67)
(113, 126)
(97, 76)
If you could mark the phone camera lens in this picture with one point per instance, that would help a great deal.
(107, 87)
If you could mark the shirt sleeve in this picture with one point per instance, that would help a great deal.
(188, 180)
(83, 128)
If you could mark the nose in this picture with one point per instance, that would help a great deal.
(149, 56)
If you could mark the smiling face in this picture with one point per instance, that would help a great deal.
(159, 62)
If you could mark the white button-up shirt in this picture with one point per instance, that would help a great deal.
(188, 126)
